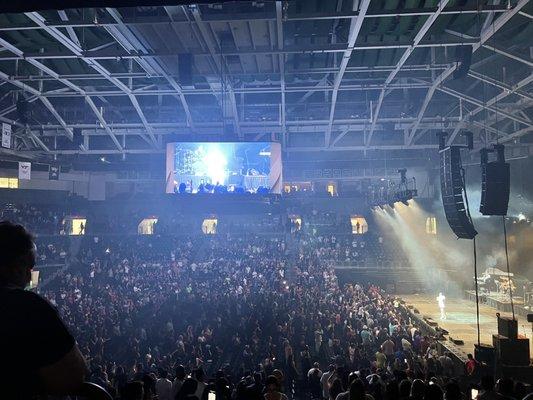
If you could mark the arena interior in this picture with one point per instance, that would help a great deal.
(247, 200)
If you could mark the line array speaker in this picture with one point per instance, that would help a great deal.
(185, 68)
(495, 183)
(452, 187)
(77, 137)
(23, 111)
(463, 55)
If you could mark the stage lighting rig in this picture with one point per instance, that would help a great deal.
(395, 192)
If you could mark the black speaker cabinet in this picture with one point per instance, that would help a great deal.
(77, 137)
(485, 353)
(511, 351)
(495, 188)
(451, 181)
(508, 327)
(185, 68)
(463, 54)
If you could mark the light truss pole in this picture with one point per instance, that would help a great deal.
(418, 38)
(486, 34)
(355, 28)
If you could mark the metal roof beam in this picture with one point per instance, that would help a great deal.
(504, 86)
(363, 148)
(103, 122)
(301, 125)
(70, 30)
(403, 59)
(355, 28)
(38, 141)
(66, 82)
(294, 149)
(485, 35)
(514, 135)
(321, 71)
(159, 20)
(127, 39)
(506, 92)
(221, 68)
(479, 103)
(510, 55)
(113, 54)
(43, 99)
(241, 90)
(65, 41)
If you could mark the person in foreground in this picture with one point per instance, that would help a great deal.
(41, 356)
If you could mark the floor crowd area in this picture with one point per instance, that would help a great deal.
(247, 317)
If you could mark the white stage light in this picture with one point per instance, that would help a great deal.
(215, 163)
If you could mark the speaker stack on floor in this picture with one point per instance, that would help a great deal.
(509, 348)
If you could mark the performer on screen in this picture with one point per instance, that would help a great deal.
(440, 301)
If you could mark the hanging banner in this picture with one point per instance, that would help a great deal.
(24, 170)
(53, 173)
(6, 135)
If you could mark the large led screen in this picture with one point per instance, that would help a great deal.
(224, 167)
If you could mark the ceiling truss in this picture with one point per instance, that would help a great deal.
(335, 100)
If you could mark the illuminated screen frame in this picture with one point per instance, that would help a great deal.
(275, 177)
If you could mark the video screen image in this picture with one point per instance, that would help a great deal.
(224, 167)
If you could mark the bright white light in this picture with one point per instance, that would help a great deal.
(215, 163)
(521, 217)
(265, 153)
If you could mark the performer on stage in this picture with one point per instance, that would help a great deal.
(440, 301)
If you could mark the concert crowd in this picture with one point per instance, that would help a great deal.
(246, 316)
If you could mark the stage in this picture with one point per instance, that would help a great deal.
(460, 319)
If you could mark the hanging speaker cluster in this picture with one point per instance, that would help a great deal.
(453, 188)
(495, 182)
